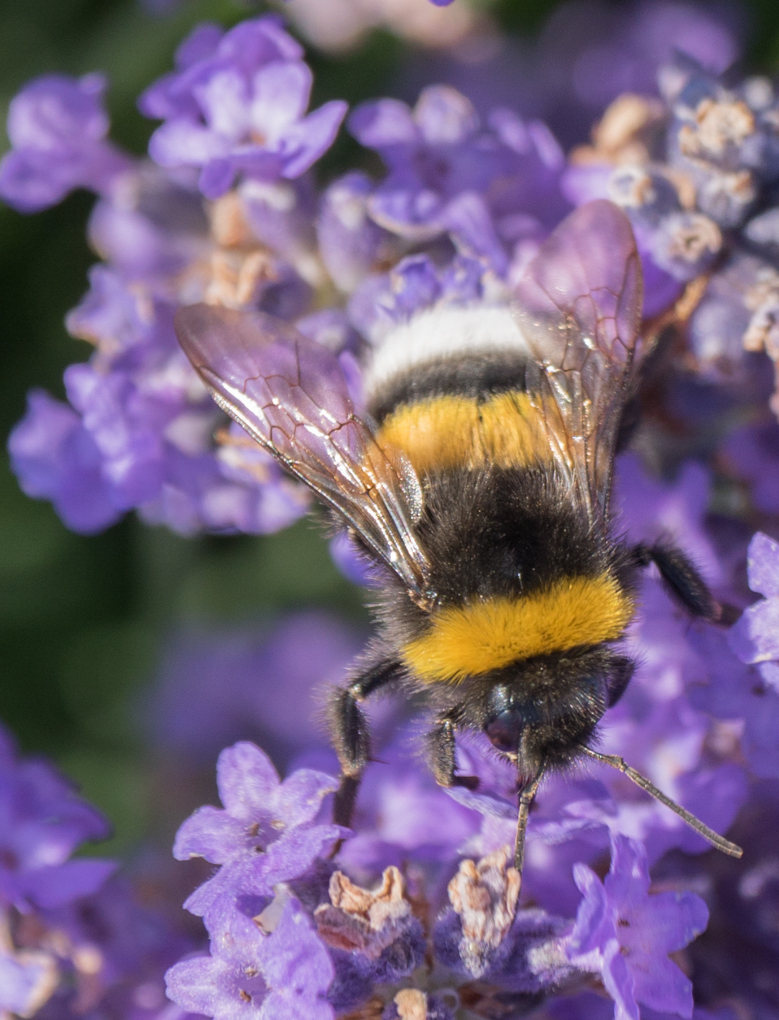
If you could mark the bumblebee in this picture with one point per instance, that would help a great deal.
(478, 482)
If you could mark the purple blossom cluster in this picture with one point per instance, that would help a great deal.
(226, 211)
(414, 913)
(695, 170)
(291, 935)
(74, 940)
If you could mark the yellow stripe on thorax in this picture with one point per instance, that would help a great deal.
(474, 639)
(455, 431)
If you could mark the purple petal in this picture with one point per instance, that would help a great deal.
(293, 854)
(382, 123)
(444, 115)
(247, 781)
(594, 922)
(247, 875)
(217, 177)
(666, 921)
(470, 223)
(62, 883)
(281, 94)
(183, 142)
(349, 240)
(55, 111)
(252, 161)
(258, 41)
(628, 881)
(55, 458)
(209, 833)
(224, 99)
(661, 985)
(304, 142)
(30, 182)
(200, 44)
(755, 635)
(296, 966)
(763, 565)
(213, 987)
(486, 805)
(300, 797)
(619, 982)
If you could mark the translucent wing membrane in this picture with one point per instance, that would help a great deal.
(579, 306)
(291, 396)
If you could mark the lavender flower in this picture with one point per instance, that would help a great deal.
(625, 935)
(687, 172)
(265, 834)
(372, 939)
(417, 912)
(55, 458)
(236, 105)
(447, 174)
(139, 429)
(754, 636)
(57, 127)
(278, 976)
(43, 823)
(73, 940)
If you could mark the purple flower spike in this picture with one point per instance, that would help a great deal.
(625, 935)
(755, 637)
(282, 976)
(448, 174)
(264, 835)
(42, 822)
(57, 127)
(239, 108)
(55, 458)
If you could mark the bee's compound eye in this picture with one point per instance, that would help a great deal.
(504, 729)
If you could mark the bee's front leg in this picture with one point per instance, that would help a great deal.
(350, 734)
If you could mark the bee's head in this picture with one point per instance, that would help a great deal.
(540, 711)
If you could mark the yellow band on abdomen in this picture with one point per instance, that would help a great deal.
(455, 431)
(482, 636)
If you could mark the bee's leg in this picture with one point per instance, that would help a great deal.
(442, 757)
(349, 731)
(683, 581)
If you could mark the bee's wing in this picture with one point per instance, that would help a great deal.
(579, 306)
(291, 396)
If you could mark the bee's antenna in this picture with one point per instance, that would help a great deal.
(526, 795)
(695, 823)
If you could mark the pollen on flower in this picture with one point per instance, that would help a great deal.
(717, 126)
(363, 920)
(485, 896)
(236, 277)
(411, 1004)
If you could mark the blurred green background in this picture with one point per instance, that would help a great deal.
(82, 619)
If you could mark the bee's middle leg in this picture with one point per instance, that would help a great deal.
(442, 757)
